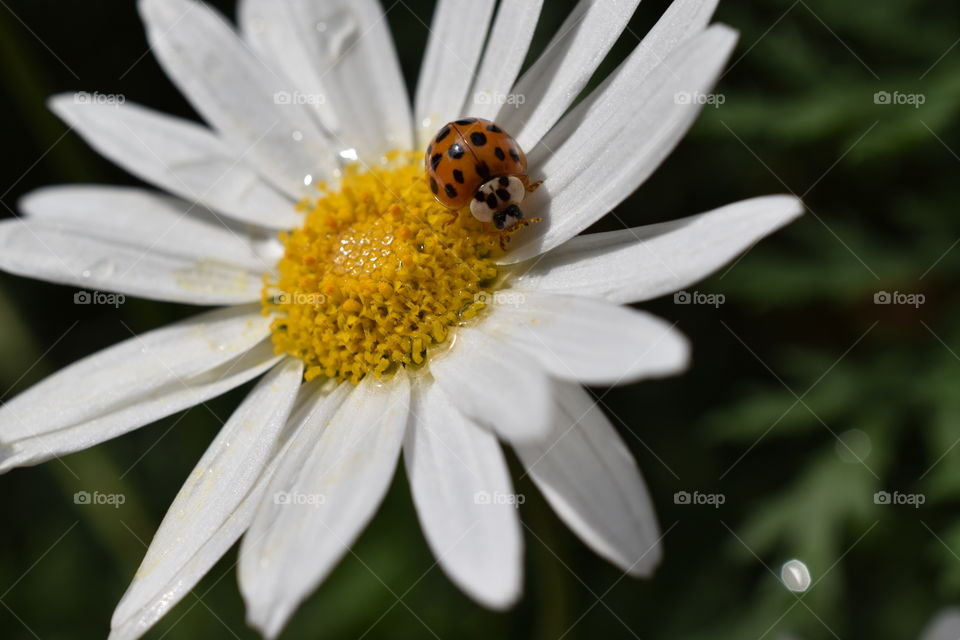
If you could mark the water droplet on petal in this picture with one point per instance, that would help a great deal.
(307, 180)
(795, 576)
(350, 155)
(321, 26)
(297, 136)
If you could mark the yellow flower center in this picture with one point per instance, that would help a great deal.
(378, 274)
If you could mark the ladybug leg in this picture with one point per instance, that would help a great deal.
(453, 218)
(530, 186)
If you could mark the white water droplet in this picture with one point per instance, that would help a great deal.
(307, 180)
(853, 446)
(350, 155)
(99, 269)
(795, 576)
(426, 122)
(341, 31)
(297, 136)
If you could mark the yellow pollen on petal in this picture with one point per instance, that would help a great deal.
(378, 274)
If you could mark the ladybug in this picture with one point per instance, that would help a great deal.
(474, 161)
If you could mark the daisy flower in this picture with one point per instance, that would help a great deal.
(377, 323)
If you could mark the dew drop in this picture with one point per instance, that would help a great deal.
(795, 576)
(307, 180)
(297, 136)
(350, 155)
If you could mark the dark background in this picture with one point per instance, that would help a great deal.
(798, 366)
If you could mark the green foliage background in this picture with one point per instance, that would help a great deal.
(805, 397)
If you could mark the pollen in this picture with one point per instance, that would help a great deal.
(378, 275)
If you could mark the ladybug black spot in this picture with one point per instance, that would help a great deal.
(478, 196)
(466, 121)
(478, 139)
(456, 151)
(450, 190)
(443, 133)
(503, 194)
(434, 186)
(483, 171)
(504, 181)
(492, 201)
(514, 155)
(499, 153)
(435, 160)
(492, 128)
(458, 175)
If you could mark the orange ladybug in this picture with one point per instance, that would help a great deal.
(474, 160)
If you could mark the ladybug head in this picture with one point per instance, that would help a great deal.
(496, 196)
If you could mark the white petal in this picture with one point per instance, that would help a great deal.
(503, 57)
(457, 34)
(683, 19)
(339, 56)
(237, 94)
(134, 383)
(588, 340)
(342, 471)
(646, 262)
(595, 169)
(178, 156)
(464, 498)
(146, 219)
(555, 80)
(495, 385)
(592, 481)
(220, 482)
(158, 269)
